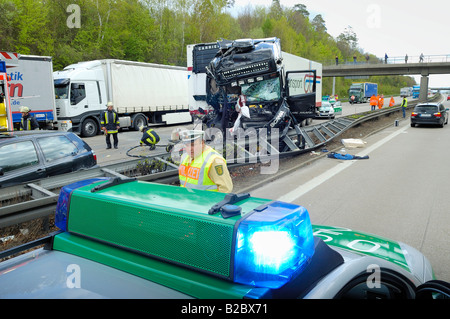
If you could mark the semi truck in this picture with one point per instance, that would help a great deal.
(406, 91)
(416, 91)
(30, 83)
(280, 89)
(141, 93)
(362, 91)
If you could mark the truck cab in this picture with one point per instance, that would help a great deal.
(80, 97)
(253, 68)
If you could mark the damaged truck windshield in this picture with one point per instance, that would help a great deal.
(273, 93)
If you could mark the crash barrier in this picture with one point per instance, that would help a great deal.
(29, 201)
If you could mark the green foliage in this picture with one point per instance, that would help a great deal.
(158, 31)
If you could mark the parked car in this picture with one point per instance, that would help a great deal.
(326, 110)
(429, 113)
(31, 155)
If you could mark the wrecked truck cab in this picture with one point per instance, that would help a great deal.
(255, 68)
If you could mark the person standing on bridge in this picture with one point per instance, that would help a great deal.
(391, 102)
(406, 58)
(385, 58)
(373, 102)
(421, 58)
(404, 105)
(201, 166)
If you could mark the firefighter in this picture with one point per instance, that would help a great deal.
(373, 102)
(110, 125)
(201, 166)
(28, 122)
(149, 137)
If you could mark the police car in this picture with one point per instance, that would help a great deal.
(122, 238)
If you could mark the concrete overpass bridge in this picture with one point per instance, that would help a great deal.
(366, 69)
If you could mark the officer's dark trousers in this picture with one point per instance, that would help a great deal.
(108, 140)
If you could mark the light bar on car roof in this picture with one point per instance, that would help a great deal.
(264, 246)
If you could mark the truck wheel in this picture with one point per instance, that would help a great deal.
(138, 121)
(89, 128)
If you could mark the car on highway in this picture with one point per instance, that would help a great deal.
(337, 108)
(123, 238)
(30, 155)
(326, 110)
(429, 113)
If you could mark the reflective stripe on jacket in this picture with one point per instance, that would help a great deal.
(195, 175)
(150, 137)
(111, 126)
(29, 124)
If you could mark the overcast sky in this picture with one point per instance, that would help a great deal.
(394, 27)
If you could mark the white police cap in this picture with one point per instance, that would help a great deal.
(191, 135)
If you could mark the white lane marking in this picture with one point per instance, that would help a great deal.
(316, 181)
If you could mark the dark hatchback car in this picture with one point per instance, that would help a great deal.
(429, 113)
(27, 156)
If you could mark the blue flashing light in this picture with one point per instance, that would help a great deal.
(62, 206)
(273, 245)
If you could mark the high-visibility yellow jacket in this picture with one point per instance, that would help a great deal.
(405, 102)
(195, 174)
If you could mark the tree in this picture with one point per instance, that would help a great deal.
(318, 24)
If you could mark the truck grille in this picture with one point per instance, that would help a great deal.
(244, 70)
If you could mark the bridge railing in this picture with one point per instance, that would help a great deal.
(391, 60)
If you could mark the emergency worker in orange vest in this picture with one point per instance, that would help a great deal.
(373, 102)
(391, 102)
(381, 102)
(201, 166)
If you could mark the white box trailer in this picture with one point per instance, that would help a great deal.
(31, 84)
(142, 93)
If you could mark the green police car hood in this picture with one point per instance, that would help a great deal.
(395, 252)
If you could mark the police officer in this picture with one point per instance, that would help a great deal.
(110, 125)
(27, 122)
(201, 166)
(149, 137)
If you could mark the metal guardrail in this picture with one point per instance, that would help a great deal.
(40, 197)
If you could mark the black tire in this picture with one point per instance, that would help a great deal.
(412, 124)
(89, 128)
(138, 121)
